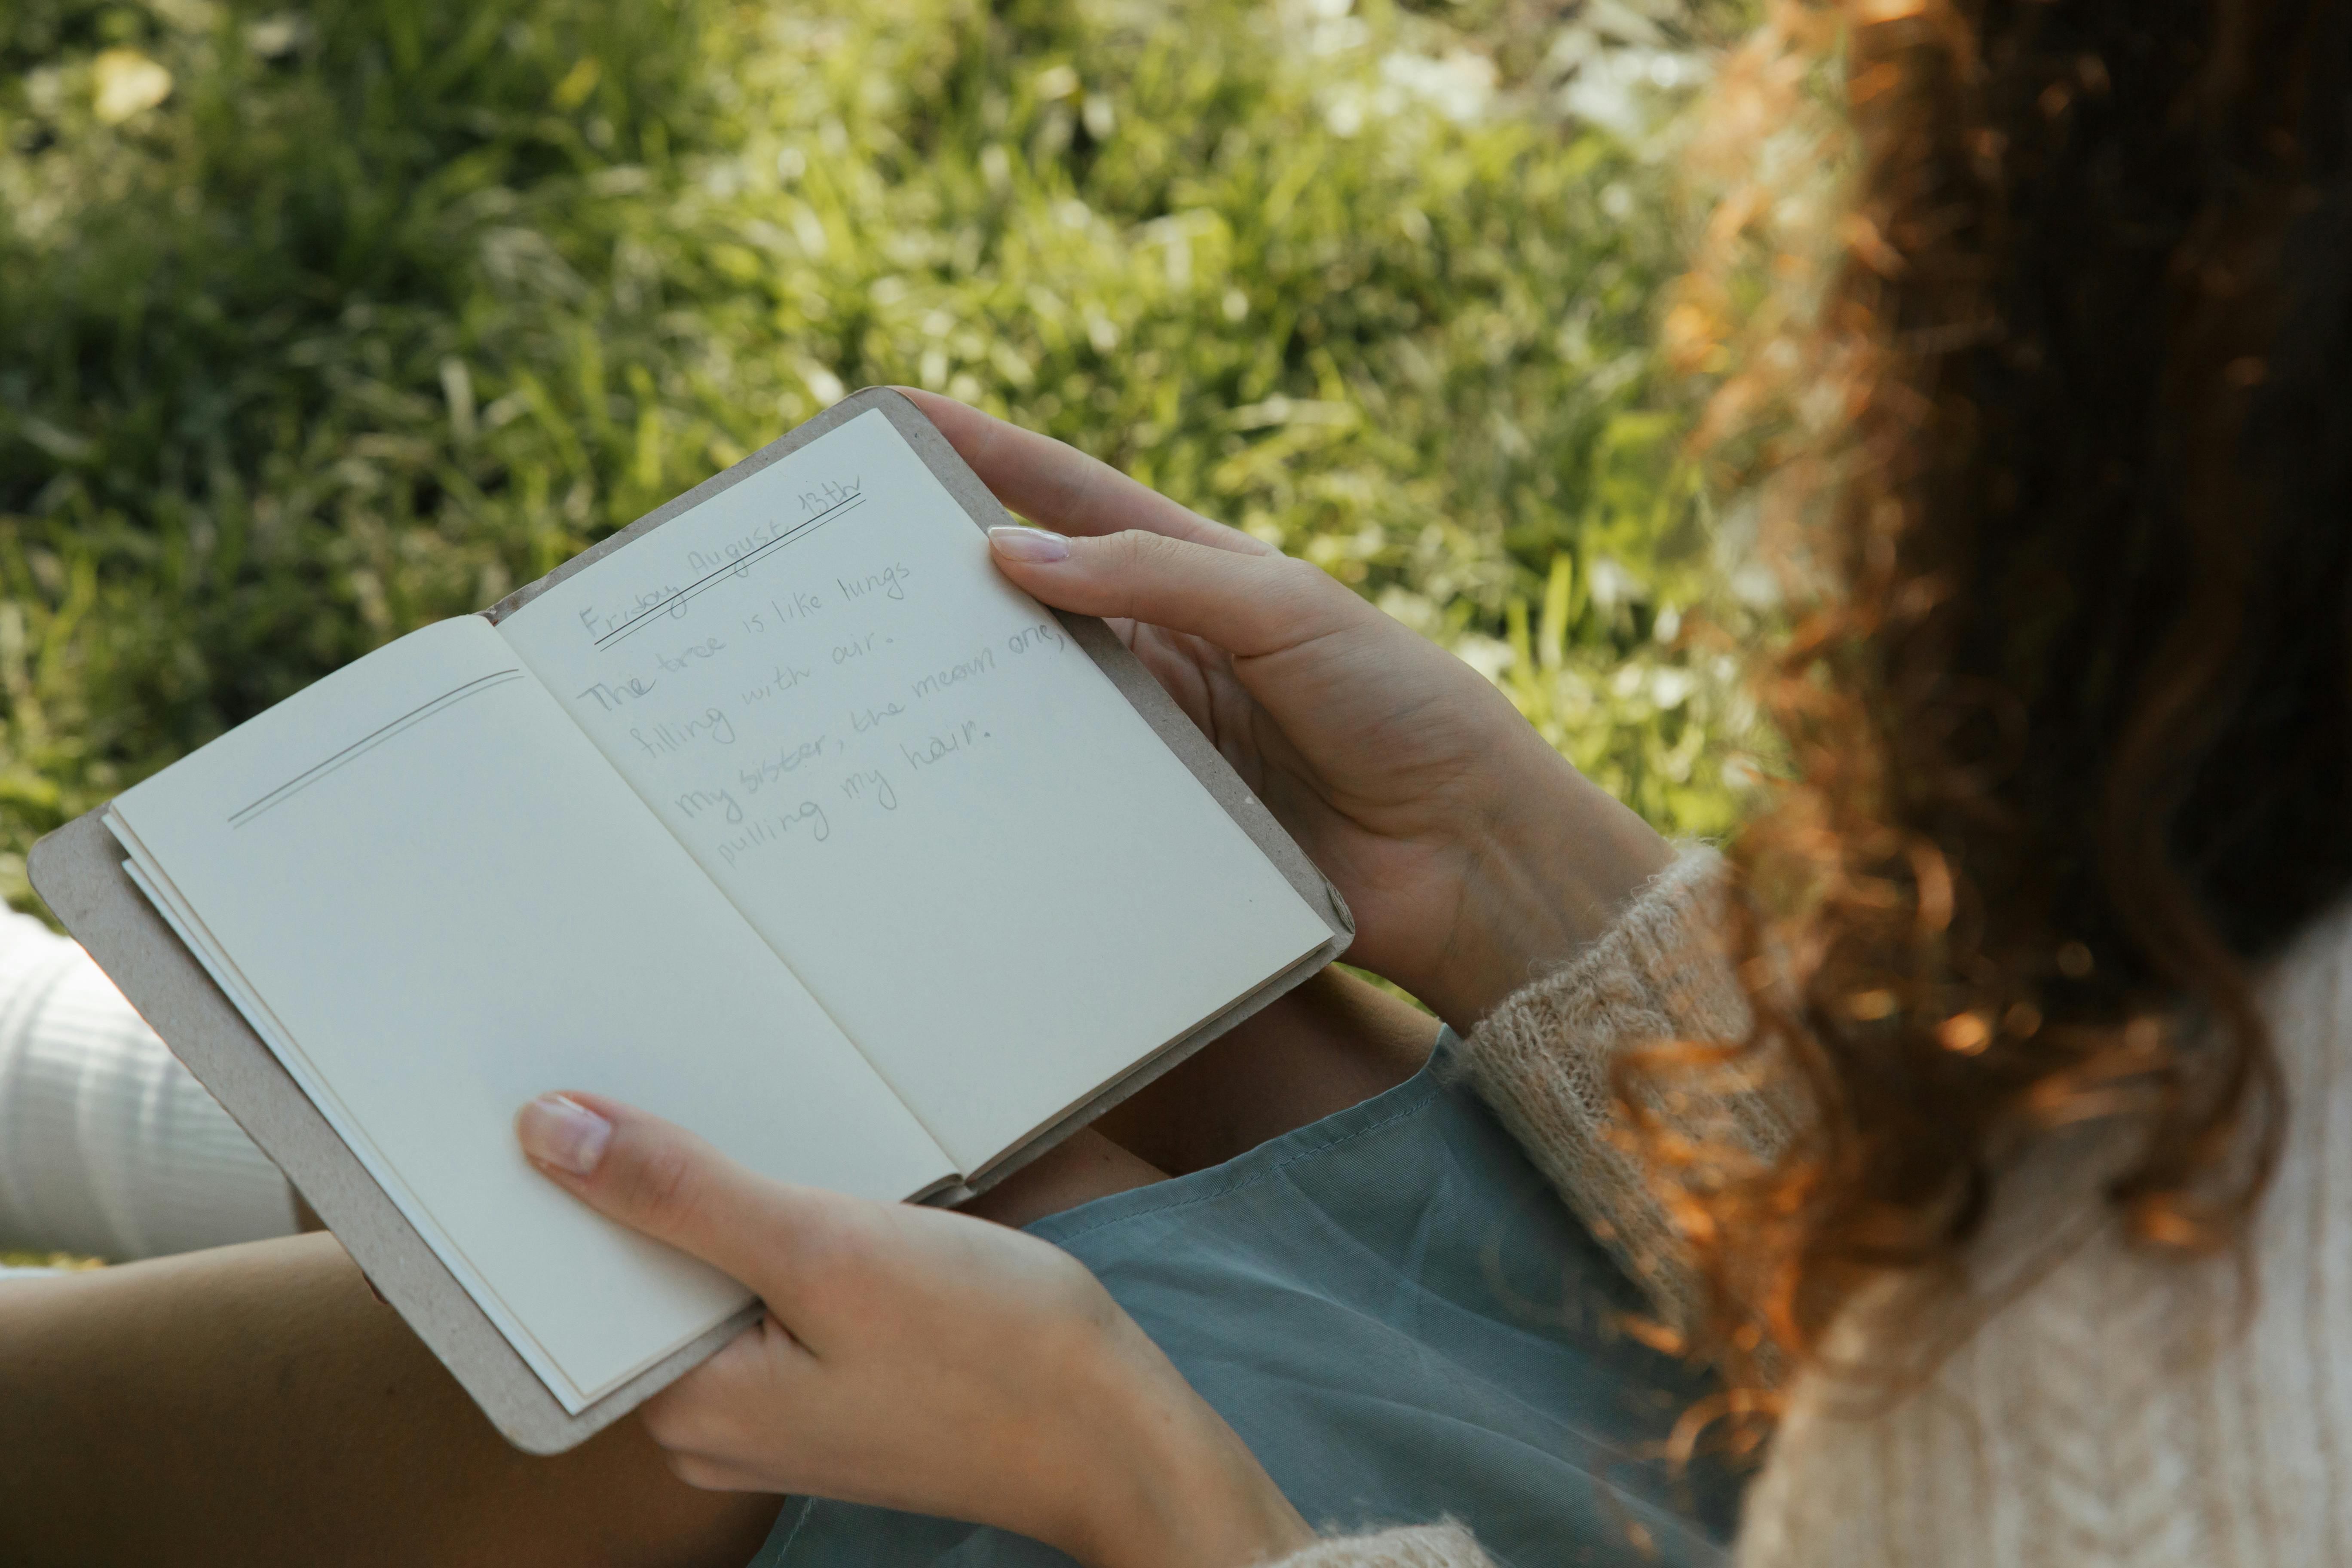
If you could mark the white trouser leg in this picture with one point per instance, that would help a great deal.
(108, 1146)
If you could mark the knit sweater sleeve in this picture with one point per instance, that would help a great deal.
(1446, 1545)
(108, 1145)
(1543, 1061)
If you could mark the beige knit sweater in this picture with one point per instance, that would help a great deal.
(2102, 1408)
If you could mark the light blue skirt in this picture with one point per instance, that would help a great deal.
(1404, 1323)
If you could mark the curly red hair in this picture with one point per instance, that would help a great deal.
(2068, 697)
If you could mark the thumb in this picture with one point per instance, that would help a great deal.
(1248, 605)
(659, 1179)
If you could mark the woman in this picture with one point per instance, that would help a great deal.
(2033, 1157)
(2020, 1187)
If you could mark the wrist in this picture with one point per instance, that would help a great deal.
(1190, 1494)
(1548, 874)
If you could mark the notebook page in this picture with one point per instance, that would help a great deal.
(435, 901)
(966, 843)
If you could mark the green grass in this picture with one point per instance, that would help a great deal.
(316, 326)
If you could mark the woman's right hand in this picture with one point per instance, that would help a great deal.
(1470, 851)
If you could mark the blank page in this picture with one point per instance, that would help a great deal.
(932, 803)
(444, 902)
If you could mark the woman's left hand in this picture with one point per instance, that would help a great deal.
(917, 1359)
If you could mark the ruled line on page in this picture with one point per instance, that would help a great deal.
(798, 530)
(367, 743)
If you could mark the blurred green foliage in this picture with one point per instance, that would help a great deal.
(319, 324)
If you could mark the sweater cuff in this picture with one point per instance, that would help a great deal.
(1443, 1545)
(1542, 1060)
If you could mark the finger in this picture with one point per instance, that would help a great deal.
(1248, 605)
(716, 1409)
(662, 1180)
(706, 1474)
(1051, 483)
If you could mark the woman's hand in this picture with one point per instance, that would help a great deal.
(920, 1360)
(1471, 852)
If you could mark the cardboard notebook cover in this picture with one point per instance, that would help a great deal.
(78, 869)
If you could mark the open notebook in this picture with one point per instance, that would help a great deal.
(780, 815)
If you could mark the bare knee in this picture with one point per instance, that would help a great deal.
(1083, 1167)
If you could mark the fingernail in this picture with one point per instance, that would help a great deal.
(1028, 544)
(558, 1131)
